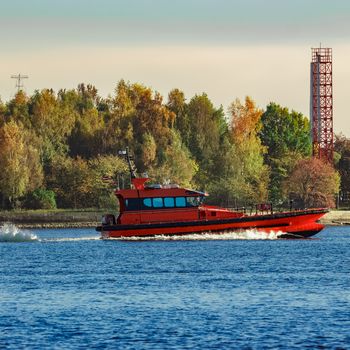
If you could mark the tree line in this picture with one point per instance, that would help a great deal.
(56, 148)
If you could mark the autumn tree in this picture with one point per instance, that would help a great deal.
(112, 167)
(40, 199)
(148, 150)
(2, 113)
(21, 170)
(140, 119)
(342, 150)
(86, 138)
(206, 127)
(248, 151)
(118, 116)
(78, 182)
(52, 120)
(153, 117)
(73, 137)
(227, 186)
(162, 151)
(177, 165)
(70, 180)
(312, 183)
(18, 109)
(177, 104)
(286, 136)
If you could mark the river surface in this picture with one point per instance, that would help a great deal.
(67, 289)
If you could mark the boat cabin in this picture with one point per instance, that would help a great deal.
(157, 203)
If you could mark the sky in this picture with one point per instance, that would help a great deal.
(226, 48)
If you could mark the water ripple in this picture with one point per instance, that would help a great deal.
(175, 294)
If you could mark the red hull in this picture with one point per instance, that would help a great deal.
(294, 224)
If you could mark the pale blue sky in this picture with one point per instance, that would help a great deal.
(225, 48)
(254, 11)
(158, 21)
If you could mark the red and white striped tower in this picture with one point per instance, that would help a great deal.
(321, 103)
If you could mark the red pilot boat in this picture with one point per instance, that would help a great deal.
(150, 210)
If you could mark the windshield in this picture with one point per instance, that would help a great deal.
(194, 201)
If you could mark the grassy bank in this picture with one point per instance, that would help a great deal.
(53, 218)
(336, 217)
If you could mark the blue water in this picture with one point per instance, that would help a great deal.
(66, 289)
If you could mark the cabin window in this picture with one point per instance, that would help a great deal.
(157, 202)
(193, 201)
(147, 202)
(160, 202)
(180, 201)
(132, 204)
(169, 202)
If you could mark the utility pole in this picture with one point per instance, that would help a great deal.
(19, 78)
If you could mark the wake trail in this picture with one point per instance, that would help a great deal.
(230, 235)
(11, 233)
(71, 239)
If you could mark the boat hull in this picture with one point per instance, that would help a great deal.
(294, 224)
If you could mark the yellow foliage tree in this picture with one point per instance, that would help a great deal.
(19, 161)
(245, 125)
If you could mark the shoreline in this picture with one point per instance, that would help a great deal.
(37, 219)
(54, 225)
(336, 218)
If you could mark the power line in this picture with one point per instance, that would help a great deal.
(19, 78)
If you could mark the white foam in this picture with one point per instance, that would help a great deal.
(11, 233)
(229, 235)
(72, 239)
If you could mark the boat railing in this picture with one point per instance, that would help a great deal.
(238, 209)
(257, 209)
(263, 208)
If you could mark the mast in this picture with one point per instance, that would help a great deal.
(130, 160)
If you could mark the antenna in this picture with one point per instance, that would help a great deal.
(125, 153)
(19, 78)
